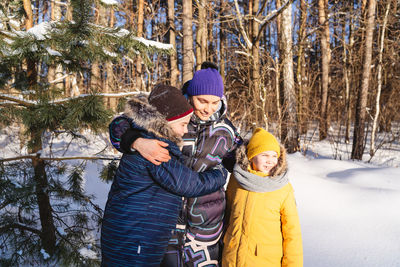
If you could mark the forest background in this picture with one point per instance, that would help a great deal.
(329, 67)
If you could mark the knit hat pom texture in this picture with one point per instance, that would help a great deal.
(206, 82)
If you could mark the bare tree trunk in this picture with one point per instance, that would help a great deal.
(290, 136)
(173, 59)
(96, 77)
(379, 89)
(56, 72)
(359, 127)
(109, 82)
(300, 63)
(132, 24)
(71, 86)
(188, 56)
(325, 61)
(349, 73)
(255, 56)
(346, 81)
(201, 36)
(69, 11)
(222, 41)
(31, 65)
(48, 236)
(140, 22)
(278, 98)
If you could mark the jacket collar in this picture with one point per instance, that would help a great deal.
(256, 183)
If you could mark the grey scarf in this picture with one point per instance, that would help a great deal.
(255, 183)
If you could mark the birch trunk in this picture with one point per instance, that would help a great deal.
(359, 127)
(290, 136)
(325, 61)
(201, 35)
(188, 56)
(173, 59)
(300, 64)
(255, 56)
(379, 89)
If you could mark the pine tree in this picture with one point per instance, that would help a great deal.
(46, 219)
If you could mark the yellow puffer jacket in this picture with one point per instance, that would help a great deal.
(264, 227)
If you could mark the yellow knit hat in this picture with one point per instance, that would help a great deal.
(262, 141)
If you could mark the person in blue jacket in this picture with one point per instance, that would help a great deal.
(211, 139)
(145, 199)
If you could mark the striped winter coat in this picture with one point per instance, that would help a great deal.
(144, 199)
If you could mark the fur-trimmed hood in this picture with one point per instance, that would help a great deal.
(255, 183)
(149, 119)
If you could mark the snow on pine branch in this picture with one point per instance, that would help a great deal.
(110, 95)
(109, 2)
(20, 100)
(17, 100)
(150, 43)
(42, 30)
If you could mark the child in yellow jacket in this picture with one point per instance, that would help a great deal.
(264, 227)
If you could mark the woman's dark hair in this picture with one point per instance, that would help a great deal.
(209, 64)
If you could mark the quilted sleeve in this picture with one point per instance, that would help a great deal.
(178, 179)
(122, 134)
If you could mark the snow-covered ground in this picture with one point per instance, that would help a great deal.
(349, 210)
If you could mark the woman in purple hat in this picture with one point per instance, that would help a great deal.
(211, 139)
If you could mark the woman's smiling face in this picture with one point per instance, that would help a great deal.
(205, 105)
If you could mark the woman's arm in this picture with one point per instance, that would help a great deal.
(181, 180)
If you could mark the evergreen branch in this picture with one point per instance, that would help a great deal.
(56, 159)
(18, 101)
(108, 95)
(25, 103)
(20, 227)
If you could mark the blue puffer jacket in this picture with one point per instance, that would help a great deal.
(206, 144)
(145, 199)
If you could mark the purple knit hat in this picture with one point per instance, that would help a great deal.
(206, 82)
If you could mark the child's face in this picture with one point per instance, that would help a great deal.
(265, 161)
(180, 127)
